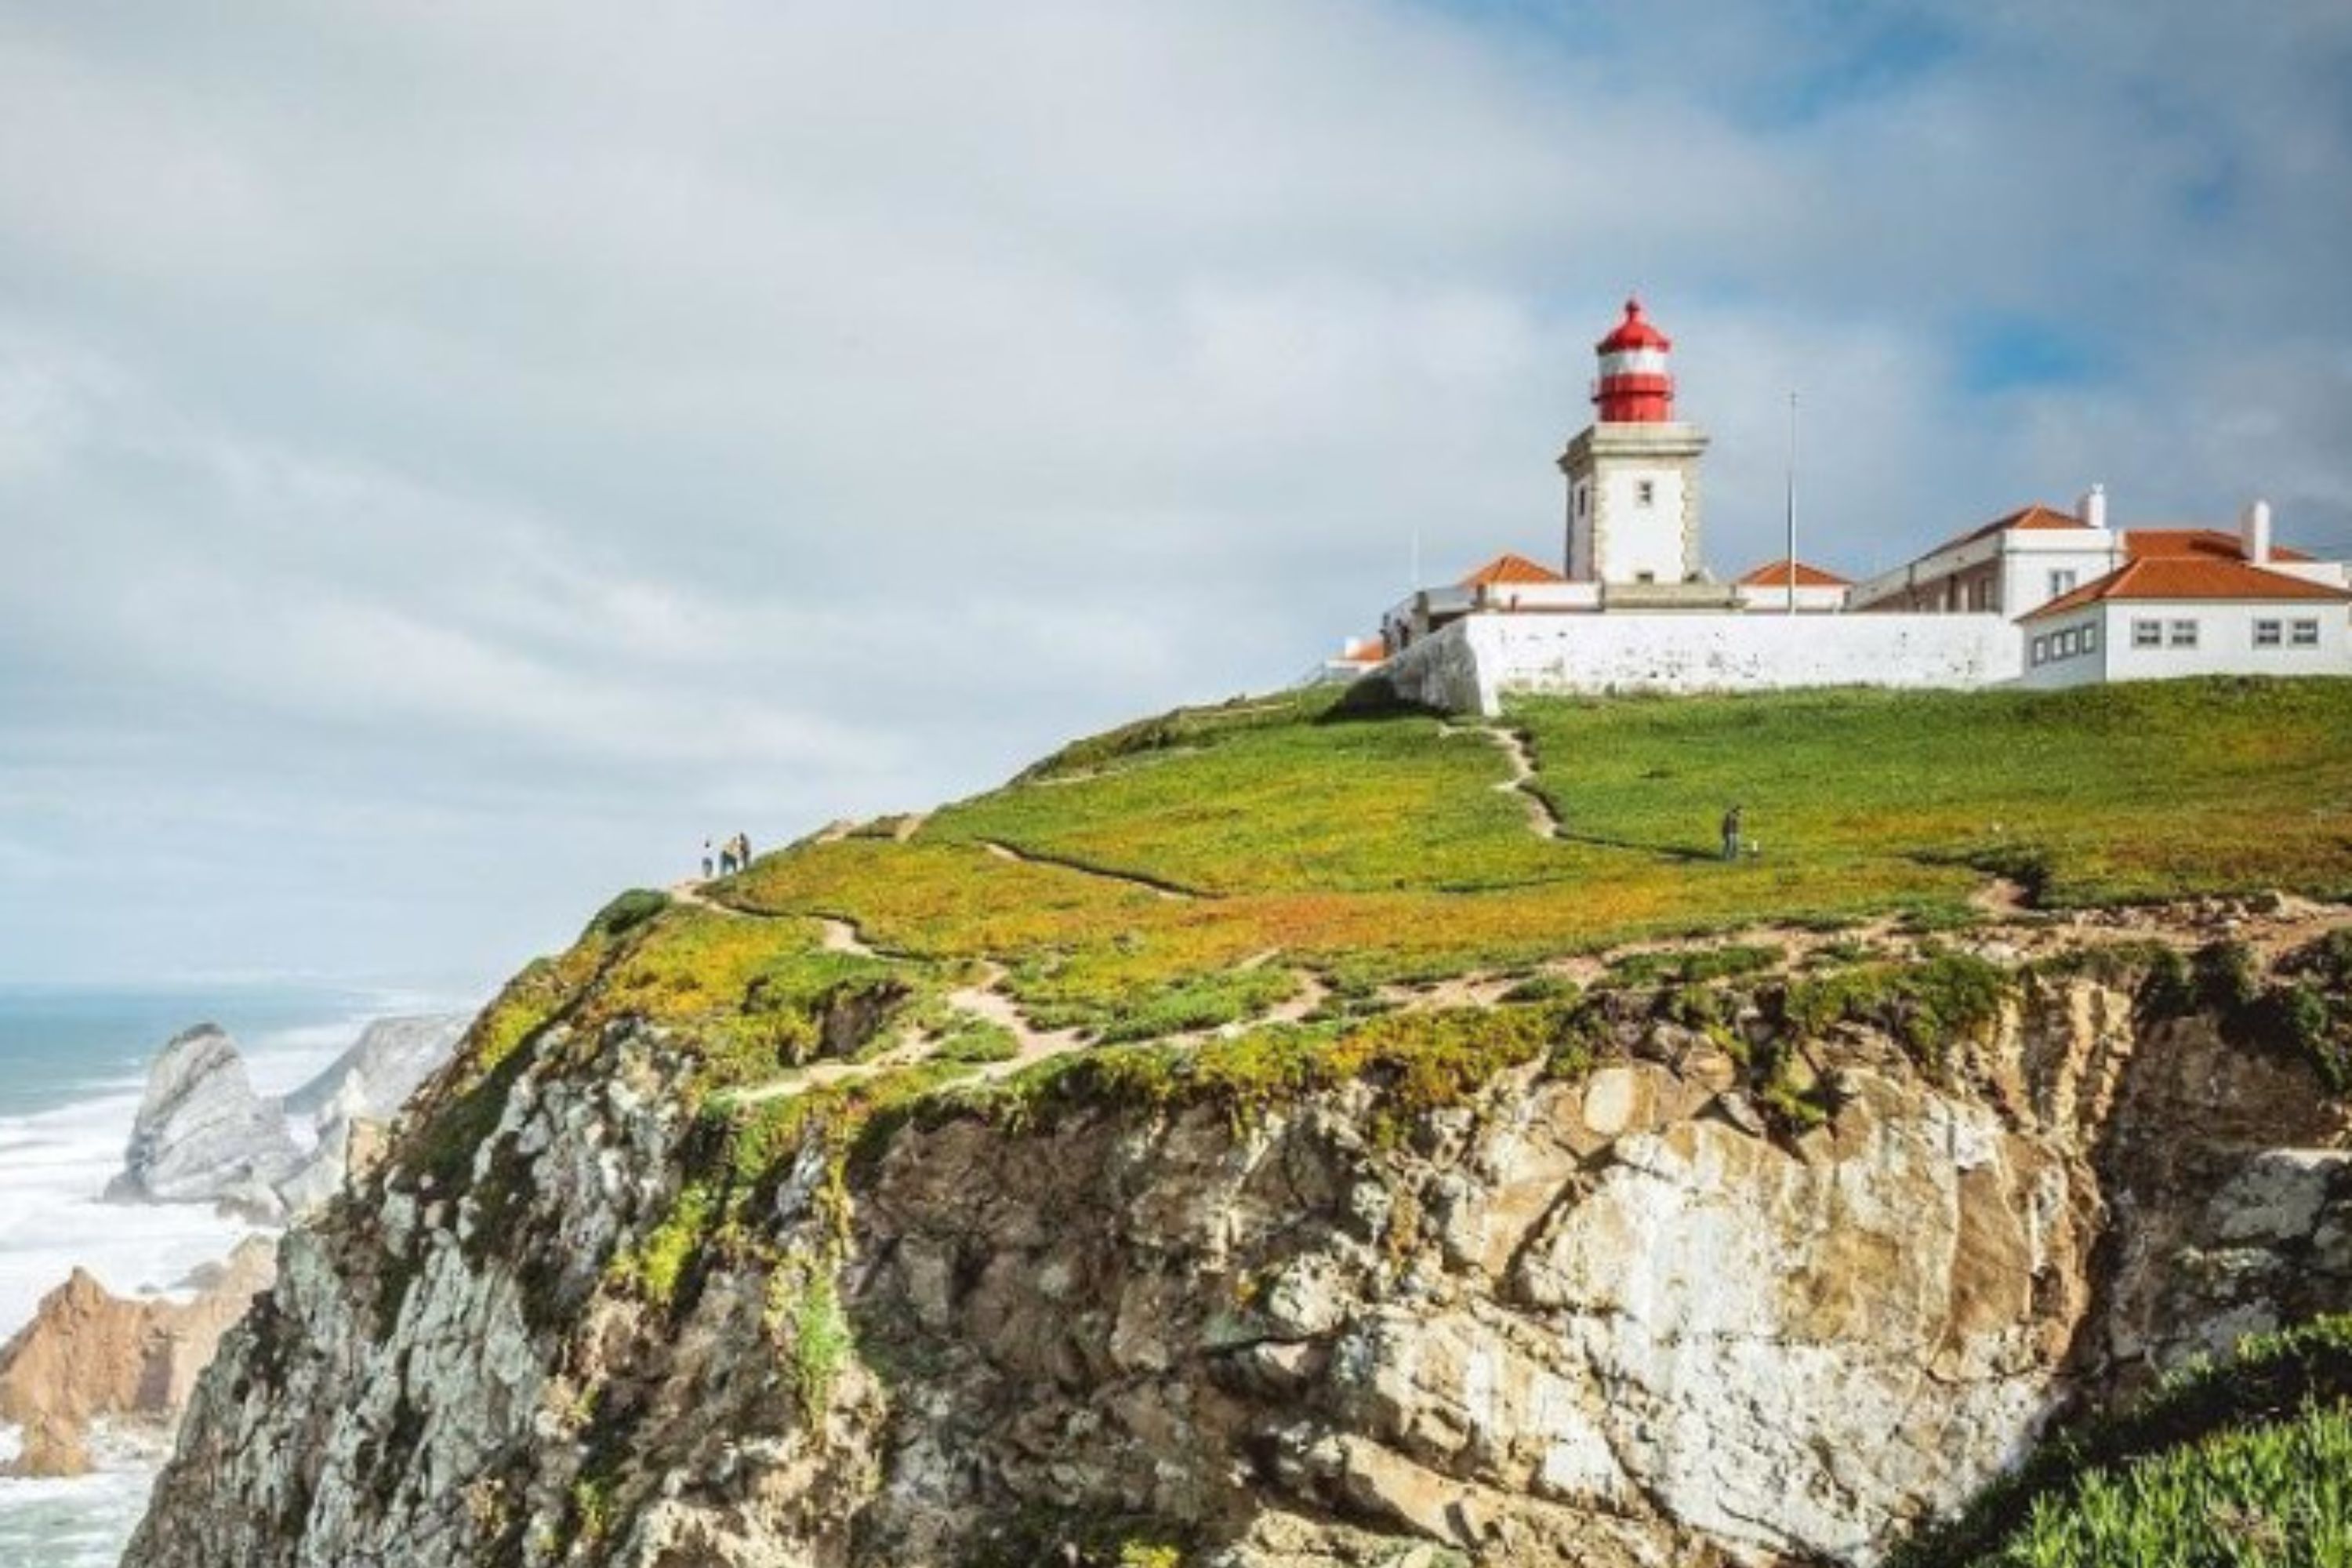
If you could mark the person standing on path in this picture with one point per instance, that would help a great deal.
(705, 860)
(742, 851)
(1733, 820)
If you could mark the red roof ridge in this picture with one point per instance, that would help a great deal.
(1510, 567)
(2190, 540)
(1775, 574)
(2033, 514)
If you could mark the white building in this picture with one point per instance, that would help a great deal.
(2160, 616)
(2042, 595)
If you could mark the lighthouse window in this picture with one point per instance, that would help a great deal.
(2061, 583)
(2267, 633)
(1645, 492)
(2306, 634)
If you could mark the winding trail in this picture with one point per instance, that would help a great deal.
(1542, 820)
(1153, 885)
(841, 936)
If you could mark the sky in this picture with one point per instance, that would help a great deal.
(455, 458)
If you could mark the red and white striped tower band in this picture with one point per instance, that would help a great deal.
(1635, 385)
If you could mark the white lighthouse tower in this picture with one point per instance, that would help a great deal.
(1633, 477)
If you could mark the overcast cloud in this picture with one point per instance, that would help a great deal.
(454, 456)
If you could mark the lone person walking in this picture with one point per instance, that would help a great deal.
(705, 860)
(1732, 821)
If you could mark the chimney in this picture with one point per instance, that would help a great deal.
(2254, 533)
(2092, 509)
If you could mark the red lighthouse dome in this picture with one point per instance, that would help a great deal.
(1635, 387)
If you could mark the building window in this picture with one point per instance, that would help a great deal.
(2306, 634)
(1583, 499)
(2148, 634)
(1645, 492)
(2042, 650)
(2091, 638)
(2061, 583)
(2181, 634)
(2062, 645)
(2268, 634)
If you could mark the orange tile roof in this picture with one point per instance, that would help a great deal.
(2160, 577)
(1363, 650)
(2140, 542)
(2035, 516)
(1508, 568)
(1775, 574)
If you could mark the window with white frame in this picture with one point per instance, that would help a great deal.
(2063, 646)
(2269, 634)
(2148, 634)
(2305, 634)
(2091, 638)
(2180, 634)
(1645, 492)
(2042, 650)
(2061, 582)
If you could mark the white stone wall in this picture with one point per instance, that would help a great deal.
(1441, 671)
(2225, 642)
(1473, 663)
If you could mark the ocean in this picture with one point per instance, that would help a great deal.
(72, 1062)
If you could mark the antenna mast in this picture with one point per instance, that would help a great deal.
(1791, 502)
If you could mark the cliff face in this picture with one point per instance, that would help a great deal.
(89, 1359)
(1613, 1304)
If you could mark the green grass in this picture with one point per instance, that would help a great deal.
(2247, 1462)
(2148, 790)
(1372, 849)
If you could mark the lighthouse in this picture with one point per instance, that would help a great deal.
(1633, 478)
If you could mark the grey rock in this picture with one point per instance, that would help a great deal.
(373, 1079)
(201, 1135)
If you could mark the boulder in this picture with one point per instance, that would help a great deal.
(201, 1135)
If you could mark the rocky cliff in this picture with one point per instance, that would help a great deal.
(1758, 1270)
(92, 1363)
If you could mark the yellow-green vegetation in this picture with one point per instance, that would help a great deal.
(1412, 1062)
(807, 1312)
(1375, 847)
(1927, 1004)
(2151, 791)
(2249, 1462)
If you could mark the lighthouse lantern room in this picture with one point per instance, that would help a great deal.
(1633, 475)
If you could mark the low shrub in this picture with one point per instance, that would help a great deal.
(2065, 1495)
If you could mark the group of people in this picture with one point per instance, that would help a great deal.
(733, 856)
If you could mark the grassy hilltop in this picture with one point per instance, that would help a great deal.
(1291, 856)
(1278, 894)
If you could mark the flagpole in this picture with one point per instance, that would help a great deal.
(1791, 502)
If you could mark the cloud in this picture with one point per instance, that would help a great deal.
(451, 460)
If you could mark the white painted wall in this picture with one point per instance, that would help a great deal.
(1635, 538)
(2225, 642)
(1442, 671)
(1471, 664)
(2035, 554)
(2085, 630)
